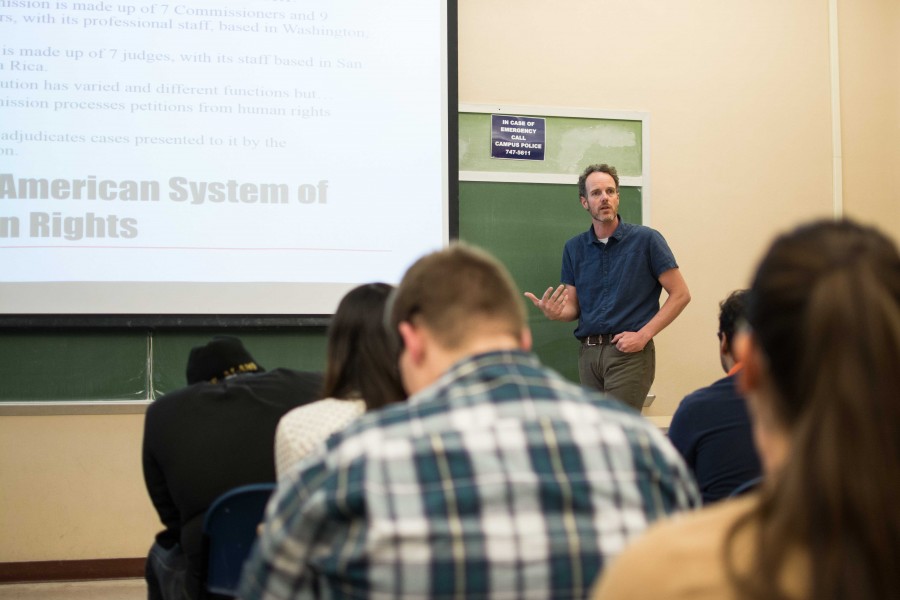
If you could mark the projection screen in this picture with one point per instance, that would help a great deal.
(220, 158)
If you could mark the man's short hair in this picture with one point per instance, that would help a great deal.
(601, 168)
(731, 313)
(459, 291)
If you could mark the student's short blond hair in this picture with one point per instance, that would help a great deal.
(458, 292)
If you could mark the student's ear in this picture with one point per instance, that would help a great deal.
(750, 355)
(725, 348)
(525, 339)
(413, 342)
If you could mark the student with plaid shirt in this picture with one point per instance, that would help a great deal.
(497, 479)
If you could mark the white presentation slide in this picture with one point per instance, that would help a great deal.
(208, 157)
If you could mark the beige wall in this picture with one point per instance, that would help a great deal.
(870, 110)
(71, 487)
(739, 99)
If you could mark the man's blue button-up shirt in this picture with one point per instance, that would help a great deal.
(617, 282)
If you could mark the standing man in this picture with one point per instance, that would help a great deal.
(497, 478)
(612, 276)
(711, 427)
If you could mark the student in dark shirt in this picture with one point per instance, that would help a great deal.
(200, 441)
(711, 427)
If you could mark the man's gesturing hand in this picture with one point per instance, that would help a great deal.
(552, 303)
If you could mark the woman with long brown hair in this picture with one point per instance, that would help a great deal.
(822, 380)
(361, 374)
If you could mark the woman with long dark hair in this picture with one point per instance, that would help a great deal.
(361, 374)
(822, 380)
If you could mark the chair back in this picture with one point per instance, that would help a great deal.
(230, 529)
(747, 486)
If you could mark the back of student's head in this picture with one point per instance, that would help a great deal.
(221, 357)
(361, 356)
(731, 313)
(824, 309)
(459, 292)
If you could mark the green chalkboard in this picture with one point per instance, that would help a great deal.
(302, 349)
(525, 225)
(130, 365)
(49, 366)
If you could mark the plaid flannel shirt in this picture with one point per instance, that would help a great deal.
(502, 480)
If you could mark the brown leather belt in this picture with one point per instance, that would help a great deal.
(598, 340)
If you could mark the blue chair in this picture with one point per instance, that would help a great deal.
(230, 529)
(747, 486)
